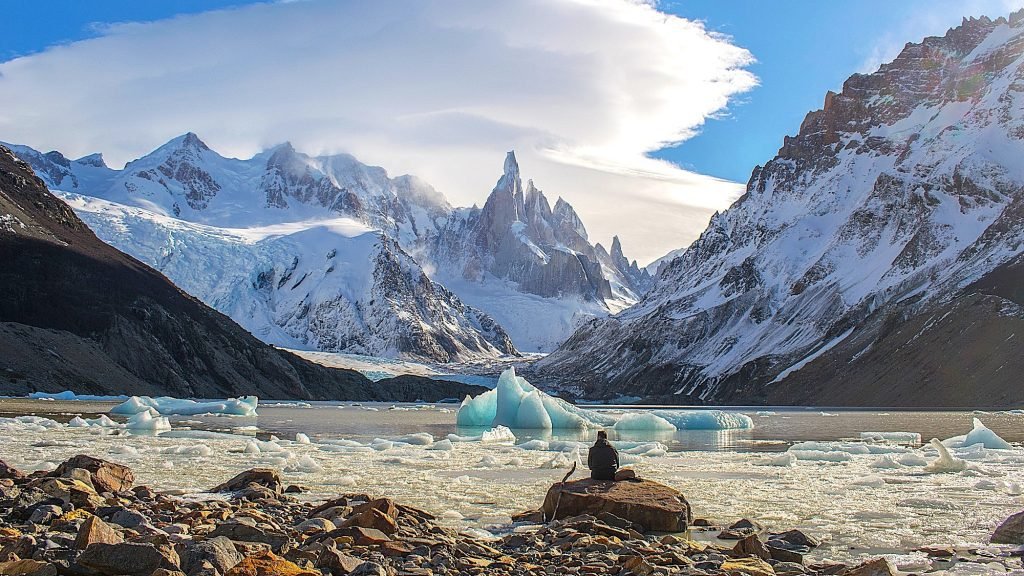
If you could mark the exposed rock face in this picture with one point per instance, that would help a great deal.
(653, 506)
(138, 332)
(872, 262)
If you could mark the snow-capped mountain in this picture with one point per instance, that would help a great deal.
(877, 260)
(530, 265)
(515, 263)
(332, 285)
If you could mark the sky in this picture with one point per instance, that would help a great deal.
(647, 117)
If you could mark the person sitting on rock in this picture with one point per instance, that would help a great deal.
(603, 458)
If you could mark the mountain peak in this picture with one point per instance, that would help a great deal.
(511, 166)
(95, 160)
(189, 140)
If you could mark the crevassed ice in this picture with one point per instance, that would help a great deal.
(244, 406)
(515, 403)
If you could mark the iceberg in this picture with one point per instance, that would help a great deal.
(981, 434)
(244, 406)
(516, 404)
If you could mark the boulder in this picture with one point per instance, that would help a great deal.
(1011, 531)
(362, 536)
(128, 518)
(106, 476)
(876, 567)
(238, 531)
(96, 531)
(752, 546)
(219, 553)
(27, 568)
(337, 562)
(654, 506)
(10, 472)
(266, 477)
(128, 558)
(747, 566)
(371, 518)
(268, 564)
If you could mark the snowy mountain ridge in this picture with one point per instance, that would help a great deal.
(896, 205)
(531, 268)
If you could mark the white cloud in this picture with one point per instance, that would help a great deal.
(582, 89)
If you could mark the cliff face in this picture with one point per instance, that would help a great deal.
(870, 263)
(78, 314)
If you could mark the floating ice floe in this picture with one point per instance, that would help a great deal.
(517, 404)
(897, 437)
(244, 406)
(69, 395)
(301, 438)
(945, 462)
(981, 434)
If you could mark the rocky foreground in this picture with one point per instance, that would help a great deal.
(87, 518)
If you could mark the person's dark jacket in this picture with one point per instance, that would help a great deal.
(603, 460)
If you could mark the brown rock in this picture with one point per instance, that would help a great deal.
(268, 564)
(96, 531)
(371, 518)
(27, 568)
(396, 548)
(9, 472)
(624, 474)
(747, 567)
(876, 567)
(337, 561)
(362, 536)
(1011, 531)
(266, 477)
(752, 546)
(384, 505)
(106, 476)
(652, 505)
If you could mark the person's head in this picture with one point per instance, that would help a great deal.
(602, 435)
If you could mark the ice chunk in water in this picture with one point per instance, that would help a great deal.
(416, 439)
(643, 421)
(442, 445)
(898, 437)
(244, 406)
(498, 434)
(148, 420)
(705, 419)
(515, 403)
(305, 463)
(301, 438)
(945, 462)
(982, 435)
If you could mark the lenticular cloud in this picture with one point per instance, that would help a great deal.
(582, 89)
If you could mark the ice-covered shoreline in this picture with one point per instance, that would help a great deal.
(875, 494)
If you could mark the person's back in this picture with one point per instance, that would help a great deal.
(603, 459)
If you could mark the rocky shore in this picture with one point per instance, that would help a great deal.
(88, 518)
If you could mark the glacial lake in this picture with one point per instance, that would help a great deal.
(796, 468)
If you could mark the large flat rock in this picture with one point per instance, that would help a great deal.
(654, 506)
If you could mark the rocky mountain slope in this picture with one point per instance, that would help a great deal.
(515, 265)
(875, 261)
(78, 314)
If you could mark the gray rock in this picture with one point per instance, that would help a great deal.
(128, 558)
(218, 552)
(128, 518)
(45, 514)
(1011, 531)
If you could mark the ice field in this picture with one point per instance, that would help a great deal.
(868, 493)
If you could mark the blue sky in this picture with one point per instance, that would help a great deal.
(584, 91)
(802, 47)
